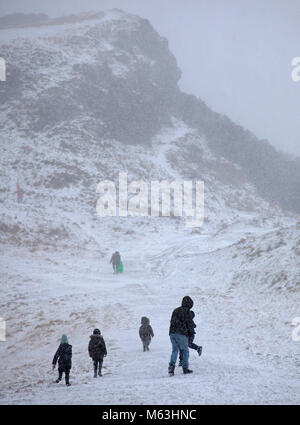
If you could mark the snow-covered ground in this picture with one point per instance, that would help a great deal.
(241, 267)
(248, 352)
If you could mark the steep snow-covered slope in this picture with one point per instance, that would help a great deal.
(78, 89)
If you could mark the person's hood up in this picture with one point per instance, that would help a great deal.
(145, 321)
(187, 302)
(96, 333)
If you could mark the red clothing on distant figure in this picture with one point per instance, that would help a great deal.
(20, 193)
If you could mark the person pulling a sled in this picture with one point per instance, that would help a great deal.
(97, 350)
(146, 333)
(64, 357)
(115, 261)
(179, 332)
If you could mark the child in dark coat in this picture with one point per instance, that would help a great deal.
(146, 333)
(64, 357)
(191, 337)
(97, 350)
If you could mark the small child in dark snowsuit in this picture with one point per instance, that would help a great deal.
(146, 333)
(191, 337)
(97, 350)
(64, 357)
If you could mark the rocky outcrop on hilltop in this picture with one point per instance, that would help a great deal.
(114, 70)
(111, 76)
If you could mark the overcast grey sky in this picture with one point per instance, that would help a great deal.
(235, 54)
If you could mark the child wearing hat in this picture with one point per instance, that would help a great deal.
(64, 357)
(97, 350)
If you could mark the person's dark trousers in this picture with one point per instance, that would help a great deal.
(191, 345)
(67, 375)
(98, 366)
(146, 344)
(115, 267)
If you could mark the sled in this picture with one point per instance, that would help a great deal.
(120, 267)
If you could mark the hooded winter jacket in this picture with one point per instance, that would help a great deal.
(145, 331)
(181, 318)
(64, 356)
(97, 347)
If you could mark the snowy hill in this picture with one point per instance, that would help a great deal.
(88, 97)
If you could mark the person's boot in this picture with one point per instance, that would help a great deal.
(147, 347)
(59, 378)
(186, 370)
(95, 372)
(171, 369)
(99, 372)
(199, 351)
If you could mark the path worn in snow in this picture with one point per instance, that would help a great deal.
(248, 354)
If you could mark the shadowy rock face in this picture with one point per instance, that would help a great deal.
(131, 91)
(111, 75)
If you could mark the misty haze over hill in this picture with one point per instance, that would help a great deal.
(235, 55)
(21, 19)
(119, 95)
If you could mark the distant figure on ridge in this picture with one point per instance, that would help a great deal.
(19, 194)
(146, 333)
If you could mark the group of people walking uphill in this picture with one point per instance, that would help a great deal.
(97, 351)
(182, 333)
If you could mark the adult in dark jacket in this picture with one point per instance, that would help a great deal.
(179, 332)
(115, 261)
(146, 333)
(191, 337)
(97, 350)
(64, 357)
